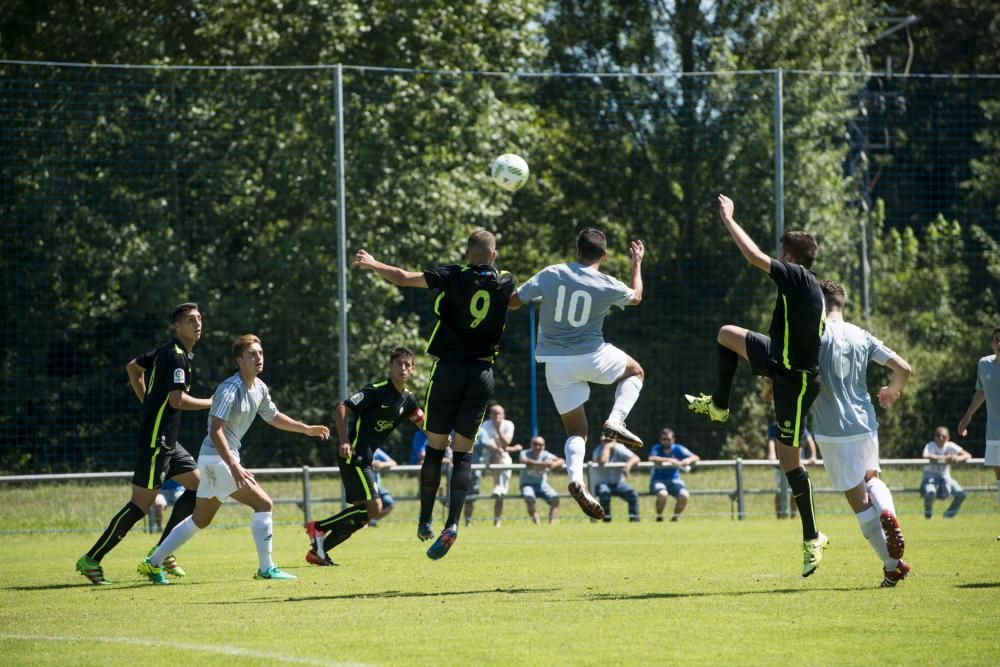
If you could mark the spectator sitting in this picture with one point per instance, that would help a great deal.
(670, 458)
(382, 461)
(534, 483)
(609, 482)
(937, 481)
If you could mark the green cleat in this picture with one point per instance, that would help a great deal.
(154, 572)
(273, 572)
(812, 553)
(91, 569)
(170, 565)
(702, 404)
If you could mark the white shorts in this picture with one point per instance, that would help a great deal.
(992, 458)
(501, 483)
(847, 462)
(216, 478)
(569, 378)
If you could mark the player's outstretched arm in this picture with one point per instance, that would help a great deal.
(393, 274)
(746, 244)
(977, 400)
(283, 422)
(636, 251)
(181, 400)
(900, 374)
(345, 441)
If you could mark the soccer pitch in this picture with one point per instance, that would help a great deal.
(701, 591)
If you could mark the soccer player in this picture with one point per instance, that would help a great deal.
(159, 456)
(471, 306)
(665, 481)
(237, 400)
(376, 410)
(575, 299)
(789, 357)
(988, 391)
(847, 430)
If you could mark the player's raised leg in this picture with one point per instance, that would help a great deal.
(730, 345)
(626, 394)
(575, 422)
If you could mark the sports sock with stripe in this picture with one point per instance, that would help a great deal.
(798, 479)
(726, 368)
(430, 482)
(342, 525)
(177, 538)
(461, 474)
(116, 531)
(260, 527)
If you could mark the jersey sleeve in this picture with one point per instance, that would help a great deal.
(146, 360)
(656, 450)
(785, 275)
(173, 363)
(878, 351)
(379, 455)
(222, 401)
(534, 288)
(980, 386)
(361, 401)
(681, 452)
(525, 456)
(440, 277)
(267, 409)
(622, 294)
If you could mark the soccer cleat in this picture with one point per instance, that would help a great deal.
(315, 559)
(618, 433)
(812, 553)
(587, 502)
(170, 565)
(443, 543)
(316, 536)
(91, 569)
(273, 572)
(154, 572)
(424, 531)
(702, 404)
(893, 535)
(892, 577)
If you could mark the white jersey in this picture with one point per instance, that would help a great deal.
(988, 382)
(843, 411)
(935, 467)
(610, 476)
(575, 299)
(238, 405)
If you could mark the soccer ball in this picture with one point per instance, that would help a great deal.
(509, 171)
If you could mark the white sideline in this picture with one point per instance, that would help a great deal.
(205, 648)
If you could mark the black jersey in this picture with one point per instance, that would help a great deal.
(472, 309)
(798, 319)
(168, 368)
(378, 408)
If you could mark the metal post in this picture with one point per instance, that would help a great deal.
(779, 159)
(740, 498)
(305, 494)
(533, 380)
(865, 266)
(338, 86)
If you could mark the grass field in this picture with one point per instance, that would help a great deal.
(706, 590)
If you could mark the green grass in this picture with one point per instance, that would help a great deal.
(707, 590)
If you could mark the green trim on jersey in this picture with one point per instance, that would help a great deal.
(437, 325)
(156, 424)
(152, 381)
(380, 384)
(784, 352)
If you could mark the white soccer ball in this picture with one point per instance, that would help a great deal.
(509, 171)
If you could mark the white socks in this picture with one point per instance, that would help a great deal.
(260, 526)
(576, 454)
(626, 395)
(177, 538)
(880, 495)
(871, 528)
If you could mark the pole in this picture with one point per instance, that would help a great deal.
(338, 86)
(779, 159)
(533, 380)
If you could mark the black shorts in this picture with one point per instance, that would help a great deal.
(794, 391)
(457, 396)
(155, 464)
(358, 479)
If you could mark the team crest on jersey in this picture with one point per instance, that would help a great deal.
(357, 398)
(178, 376)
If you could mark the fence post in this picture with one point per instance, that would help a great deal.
(779, 158)
(338, 93)
(740, 499)
(532, 378)
(305, 494)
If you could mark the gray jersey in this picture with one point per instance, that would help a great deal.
(532, 474)
(575, 299)
(843, 411)
(611, 476)
(238, 406)
(988, 381)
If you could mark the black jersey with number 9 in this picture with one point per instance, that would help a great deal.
(471, 306)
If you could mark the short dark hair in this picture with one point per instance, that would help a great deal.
(241, 344)
(182, 310)
(481, 243)
(591, 244)
(833, 293)
(399, 351)
(801, 246)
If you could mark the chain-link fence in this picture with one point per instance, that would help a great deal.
(124, 191)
